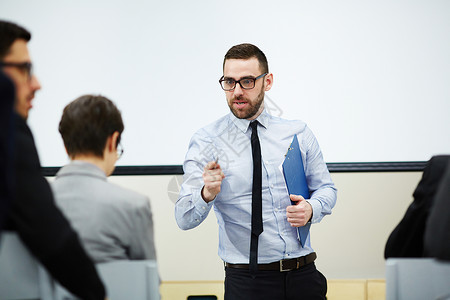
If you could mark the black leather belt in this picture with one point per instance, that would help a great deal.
(282, 265)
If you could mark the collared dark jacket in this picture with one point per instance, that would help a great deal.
(437, 232)
(42, 226)
(407, 239)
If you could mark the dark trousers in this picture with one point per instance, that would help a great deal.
(305, 283)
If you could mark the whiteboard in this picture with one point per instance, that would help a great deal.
(370, 78)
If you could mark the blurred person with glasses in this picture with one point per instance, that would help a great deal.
(113, 222)
(15, 62)
(32, 212)
(218, 172)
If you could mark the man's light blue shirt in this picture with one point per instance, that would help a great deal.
(229, 139)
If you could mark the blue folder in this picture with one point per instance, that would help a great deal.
(294, 175)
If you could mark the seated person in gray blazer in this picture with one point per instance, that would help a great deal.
(113, 222)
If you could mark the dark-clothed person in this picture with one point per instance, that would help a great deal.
(33, 213)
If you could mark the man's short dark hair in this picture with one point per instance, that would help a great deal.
(247, 51)
(86, 124)
(9, 33)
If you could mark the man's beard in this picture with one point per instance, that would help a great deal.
(251, 110)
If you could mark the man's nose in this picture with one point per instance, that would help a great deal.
(35, 84)
(238, 89)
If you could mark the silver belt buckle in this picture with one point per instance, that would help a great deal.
(282, 267)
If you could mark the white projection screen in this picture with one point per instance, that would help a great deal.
(370, 78)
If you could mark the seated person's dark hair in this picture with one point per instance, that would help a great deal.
(86, 124)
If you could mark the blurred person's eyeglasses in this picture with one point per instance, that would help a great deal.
(229, 84)
(119, 151)
(26, 67)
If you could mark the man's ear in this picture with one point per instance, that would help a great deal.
(268, 80)
(111, 142)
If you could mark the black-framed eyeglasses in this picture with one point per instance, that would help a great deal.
(119, 151)
(247, 83)
(25, 66)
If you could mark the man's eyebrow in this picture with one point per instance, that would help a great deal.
(245, 77)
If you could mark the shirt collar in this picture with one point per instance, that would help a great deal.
(79, 167)
(243, 124)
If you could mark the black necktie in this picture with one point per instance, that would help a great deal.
(257, 223)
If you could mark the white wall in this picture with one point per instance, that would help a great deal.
(369, 77)
(350, 242)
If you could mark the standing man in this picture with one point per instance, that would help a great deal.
(258, 239)
(113, 222)
(32, 212)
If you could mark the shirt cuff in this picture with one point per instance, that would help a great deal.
(316, 210)
(201, 206)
